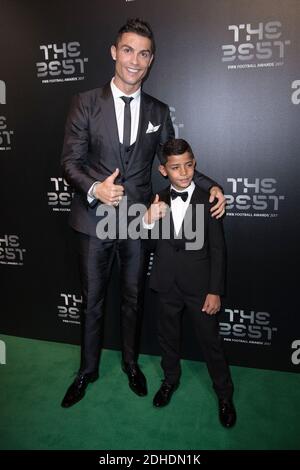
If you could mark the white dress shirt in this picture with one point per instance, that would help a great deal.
(119, 110)
(179, 206)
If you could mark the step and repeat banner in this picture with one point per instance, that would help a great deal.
(229, 70)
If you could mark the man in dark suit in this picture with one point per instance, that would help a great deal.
(188, 273)
(112, 135)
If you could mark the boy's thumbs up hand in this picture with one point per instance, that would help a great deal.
(156, 200)
(156, 211)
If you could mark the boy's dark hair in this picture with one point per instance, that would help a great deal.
(174, 147)
(137, 26)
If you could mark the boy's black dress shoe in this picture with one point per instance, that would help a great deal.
(164, 394)
(76, 390)
(227, 413)
(136, 379)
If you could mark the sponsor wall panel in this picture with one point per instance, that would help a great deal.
(230, 74)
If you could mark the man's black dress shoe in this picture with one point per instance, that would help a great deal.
(164, 394)
(76, 390)
(227, 413)
(136, 379)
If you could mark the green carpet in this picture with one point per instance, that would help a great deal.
(37, 373)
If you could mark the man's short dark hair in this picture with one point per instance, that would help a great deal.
(175, 147)
(137, 26)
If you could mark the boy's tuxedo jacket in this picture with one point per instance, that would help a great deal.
(199, 271)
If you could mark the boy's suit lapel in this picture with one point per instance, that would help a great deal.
(165, 197)
(190, 215)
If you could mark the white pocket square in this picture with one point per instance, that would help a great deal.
(152, 128)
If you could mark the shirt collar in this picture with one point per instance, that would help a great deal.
(189, 189)
(117, 93)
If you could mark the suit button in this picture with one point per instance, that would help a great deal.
(126, 163)
(177, 249)
(123, 180)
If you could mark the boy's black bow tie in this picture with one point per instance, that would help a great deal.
(183, 195)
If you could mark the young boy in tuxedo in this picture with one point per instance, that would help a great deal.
(188, 275)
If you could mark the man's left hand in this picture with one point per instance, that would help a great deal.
(218, 209)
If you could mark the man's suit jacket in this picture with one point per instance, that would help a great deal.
(91, 151)
(196, 272)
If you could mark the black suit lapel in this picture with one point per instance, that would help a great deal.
(109, 114)
(145, 107)
(190, 214)
(165, 196)
(189, 220)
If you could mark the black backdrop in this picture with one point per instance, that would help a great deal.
(229, 70)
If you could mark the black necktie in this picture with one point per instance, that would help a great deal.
(175, 194)
(127, 121)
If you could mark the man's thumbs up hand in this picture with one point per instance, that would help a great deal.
(113, 176)
(109, 192)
